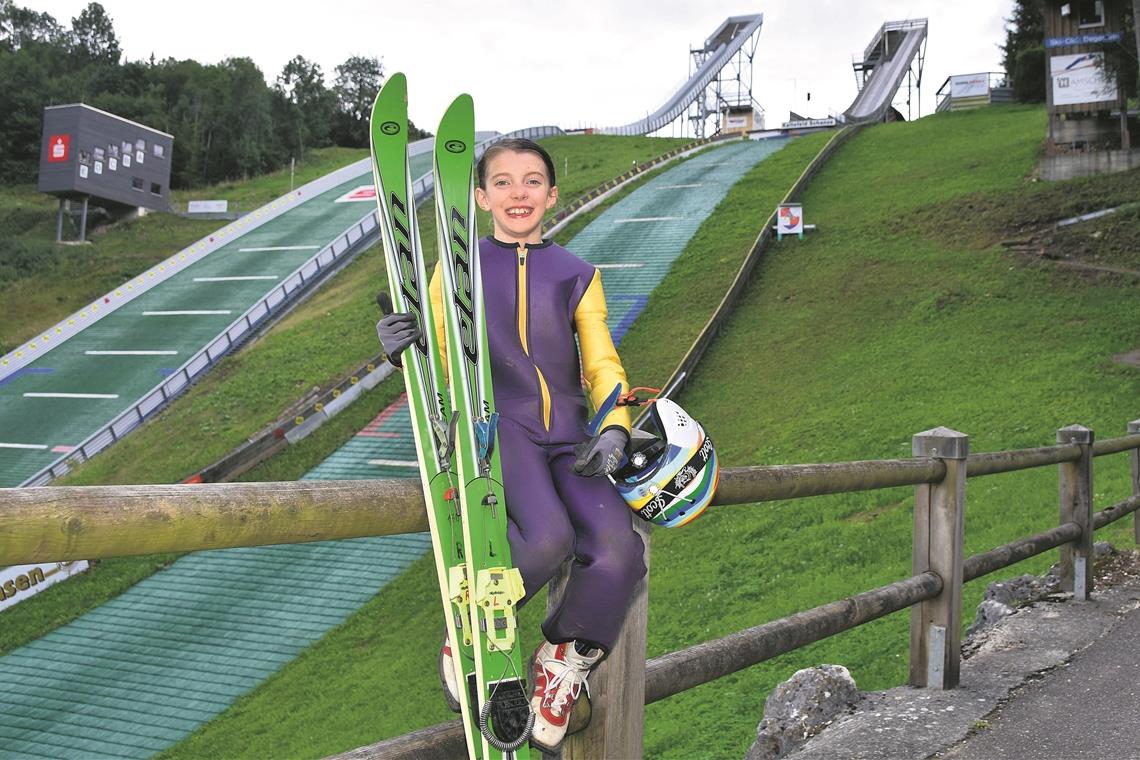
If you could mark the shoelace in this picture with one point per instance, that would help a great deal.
(567, 683)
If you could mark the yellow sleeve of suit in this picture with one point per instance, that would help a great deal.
(435, 295)
(601, 366)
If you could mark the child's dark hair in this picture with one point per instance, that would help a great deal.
(519, 145)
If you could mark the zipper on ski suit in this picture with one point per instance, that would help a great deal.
(523, 309)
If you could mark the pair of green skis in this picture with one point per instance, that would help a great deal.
(454, 420)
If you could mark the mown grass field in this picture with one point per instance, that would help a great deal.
(901, 312)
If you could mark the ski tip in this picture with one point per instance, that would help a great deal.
(397, 84)
(462, 105)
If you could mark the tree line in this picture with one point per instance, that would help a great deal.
(227, 121)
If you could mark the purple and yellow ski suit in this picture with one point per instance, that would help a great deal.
(536, 300)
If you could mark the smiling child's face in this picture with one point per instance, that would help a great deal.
(517, 193)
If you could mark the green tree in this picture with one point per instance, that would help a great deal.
(357, 81)
(1023, 53)
(94, 37)
(308, 106)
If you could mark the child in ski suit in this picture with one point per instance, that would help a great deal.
(537, 297)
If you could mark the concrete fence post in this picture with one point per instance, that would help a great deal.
(1077, 507)
(1134, 457)
(939, 529)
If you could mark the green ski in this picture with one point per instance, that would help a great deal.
(498, 684)
(428, 402)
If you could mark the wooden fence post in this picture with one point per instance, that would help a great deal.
(1077, 507)
(617, 687)
(1134, 456)
(939, 529)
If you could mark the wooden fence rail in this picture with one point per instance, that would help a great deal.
(88, 522)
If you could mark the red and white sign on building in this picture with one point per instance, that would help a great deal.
(59, 149)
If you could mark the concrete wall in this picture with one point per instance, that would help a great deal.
(1072, 165)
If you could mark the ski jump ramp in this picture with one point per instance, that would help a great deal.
(890, 55)
(726, 41)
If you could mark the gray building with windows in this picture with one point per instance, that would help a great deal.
(87, 153)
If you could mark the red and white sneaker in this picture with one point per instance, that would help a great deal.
(447, 676)
(559, 673)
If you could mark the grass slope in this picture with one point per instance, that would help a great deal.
(888, 320)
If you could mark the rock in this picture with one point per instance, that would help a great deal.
(800, 708)
(1002, 598)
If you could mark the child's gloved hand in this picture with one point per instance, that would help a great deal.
(602, 454)
(397, 332)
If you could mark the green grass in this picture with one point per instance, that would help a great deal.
(884, 322)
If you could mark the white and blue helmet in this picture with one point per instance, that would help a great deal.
(672, 472)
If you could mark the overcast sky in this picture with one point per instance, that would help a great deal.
(571, 63)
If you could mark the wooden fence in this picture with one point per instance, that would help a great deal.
(90, 522)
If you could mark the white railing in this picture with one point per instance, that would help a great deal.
(361, 234)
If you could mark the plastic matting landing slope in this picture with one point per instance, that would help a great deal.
(146, 669)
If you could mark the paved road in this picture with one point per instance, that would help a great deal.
(1086, 709)
(1060, 680)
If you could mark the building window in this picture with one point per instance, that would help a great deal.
(159, 150)
(140, 144)
(155, 188)
(1091, 12)
(137, 183)
(99, 155)
(126, 148)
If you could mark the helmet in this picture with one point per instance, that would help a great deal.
(671, 473)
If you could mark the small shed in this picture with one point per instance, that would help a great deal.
(87, 154)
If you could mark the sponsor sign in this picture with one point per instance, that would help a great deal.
(59, 149)
(1082, 39)
(364, 193)
(19, 582)
(790, 219)
(807, 123)
(207, 207)
(969, 85)
(1080, 78)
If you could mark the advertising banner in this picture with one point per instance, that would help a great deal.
(1080, 78)
(20, 582)
(969, 85)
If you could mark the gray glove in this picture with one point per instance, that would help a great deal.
(602, 454)
(397, 332)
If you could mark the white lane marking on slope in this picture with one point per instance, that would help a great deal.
(237, 279)
(280, 248)
(618, 266)
(394, 463)
(187, 313)
(678, 187)
(71, 395)
(648, 219)
(131, 353)
(36, 446)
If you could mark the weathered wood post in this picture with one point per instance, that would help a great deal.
(617, 687)
(939, 530)
(1076, 507)
(1134, 456)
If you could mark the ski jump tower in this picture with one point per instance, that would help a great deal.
(896, 51)
(730, 91)
(720, 81)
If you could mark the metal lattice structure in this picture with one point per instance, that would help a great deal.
(732, 86)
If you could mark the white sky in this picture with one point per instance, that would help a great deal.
(571, 63)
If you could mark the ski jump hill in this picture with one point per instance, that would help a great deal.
(143, 671)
